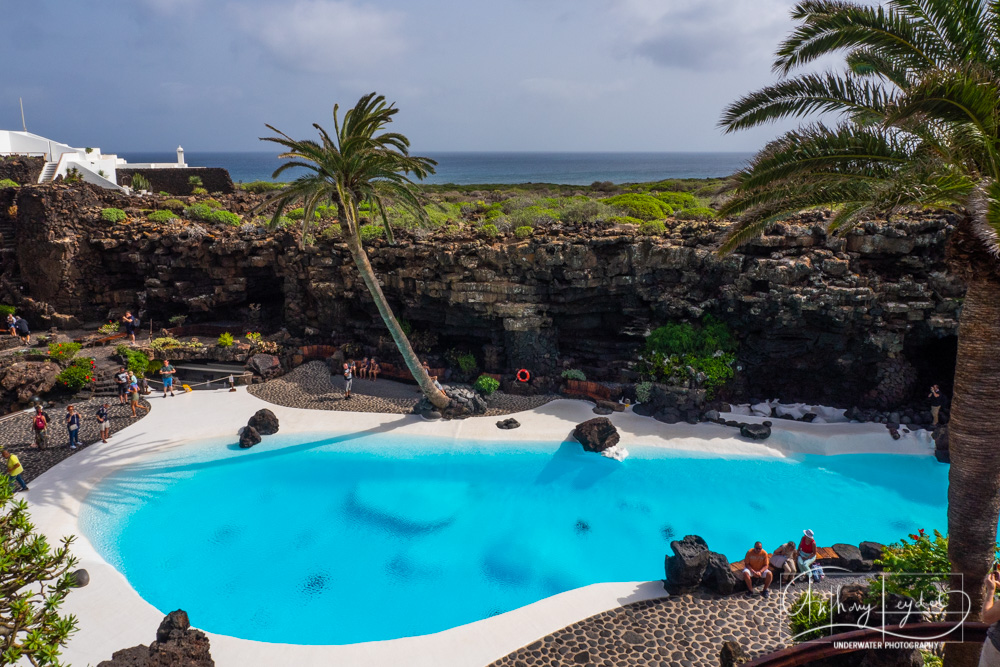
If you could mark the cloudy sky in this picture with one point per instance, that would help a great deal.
(544, 75)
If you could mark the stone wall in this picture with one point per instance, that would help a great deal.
(21, 170)
(815, 315)
(175, 181)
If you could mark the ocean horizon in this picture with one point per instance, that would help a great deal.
(469, 168)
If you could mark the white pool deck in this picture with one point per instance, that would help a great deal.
(113, 616)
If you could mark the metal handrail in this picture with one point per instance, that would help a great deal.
(198, 384)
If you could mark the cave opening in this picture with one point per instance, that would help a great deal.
(934, 358)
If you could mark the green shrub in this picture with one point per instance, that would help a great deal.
(923, 555)
(574, 374)
(809, 615)
(74, 378)
(330, 233)
(532, 216)
(486, 385)
(523, 232)
(489, 230)
(164, 343)
(6, 310)
(162, 216)
(225, 340)
(642, 206)
(63, 351)
(133, 359)
(466, 362)
(199, 191)
(643, 392)
(206, 213)
(174, 204)
(581, 212)
(195, 181)
(211, 203)
(624, 220)
(697, 213)
(677, 200)
(653, 228)
(260, 187)
(683, 338)
(673, 351)
(140, 182)
(109, 328)
(112, 215)
(369, 233)
(7, 183)
(163, 193)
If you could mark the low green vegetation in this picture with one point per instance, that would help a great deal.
(677, 351)
(523, 232)
(63, 351)
(133, 359)
(162, 216)
(486, 385)
(7, 183)
(225, 340)
(489, 230)
(696, 213)
(205, 213)
(211, 203)
(369, 233)
(199, 191)
(643, 391)
(809, 616)
(261, 187)
(77, 375)
(5, 310)
(653, 228)
(642, 206)
(36, 578)
(140, 182)
(574, 374)
(113, 215)
(174, 204)
(110, 328)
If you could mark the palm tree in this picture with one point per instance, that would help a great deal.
(916, 124)
(359, 163)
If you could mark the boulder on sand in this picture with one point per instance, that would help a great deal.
(264, 421)
(755, 431)
(596, 434)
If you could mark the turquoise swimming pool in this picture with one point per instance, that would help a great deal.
(319, 540)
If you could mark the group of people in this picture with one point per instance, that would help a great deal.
(18, 326)
(366, 369)
(40, 422)
(787, 559)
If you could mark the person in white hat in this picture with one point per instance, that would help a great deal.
(807, 553)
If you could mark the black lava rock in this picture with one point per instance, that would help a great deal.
(249, 437)
(755, 431)
(596, 434)
(264, 421)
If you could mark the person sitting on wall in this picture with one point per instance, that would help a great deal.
(755, 568)
(783, 559)
(807, 555)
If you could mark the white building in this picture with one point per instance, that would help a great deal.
(92, 165)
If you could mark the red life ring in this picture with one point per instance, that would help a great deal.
(523, 375)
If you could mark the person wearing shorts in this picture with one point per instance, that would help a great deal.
(39, 425)
(134, 399)
(122, 379)
(129, 322)
(348, 378)
(755, 568)
(104, 422)
(167, 373)
(14, 469)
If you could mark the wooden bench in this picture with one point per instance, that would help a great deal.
(592, 390)
(403, 373)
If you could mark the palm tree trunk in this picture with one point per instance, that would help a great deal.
(433, 394)
(974, 477)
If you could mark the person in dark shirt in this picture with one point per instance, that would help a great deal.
(104, 422)
(937, 400)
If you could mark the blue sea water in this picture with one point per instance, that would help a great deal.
(320, 540)
(523, 167)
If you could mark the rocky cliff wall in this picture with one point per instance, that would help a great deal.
(816, 316)
(21, 170)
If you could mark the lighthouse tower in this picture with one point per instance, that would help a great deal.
(180, 157)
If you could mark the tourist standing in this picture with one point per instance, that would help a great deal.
(129, 323)
(14, 469)
(73, 426)
(232, 382)
(22, 330)
(104, 422)
(122, 380)
(167, 373)
(134, 399)
(348, 378)
(937, 400)
(39, 425)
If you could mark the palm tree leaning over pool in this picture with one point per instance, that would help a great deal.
(359, 163)
(919, 126)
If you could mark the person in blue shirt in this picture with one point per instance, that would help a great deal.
(73, 426)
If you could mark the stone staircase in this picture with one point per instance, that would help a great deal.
(104, 386)
(48, 172)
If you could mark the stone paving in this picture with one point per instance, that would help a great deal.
(312, 387)
(17, 435)
(681, 630)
